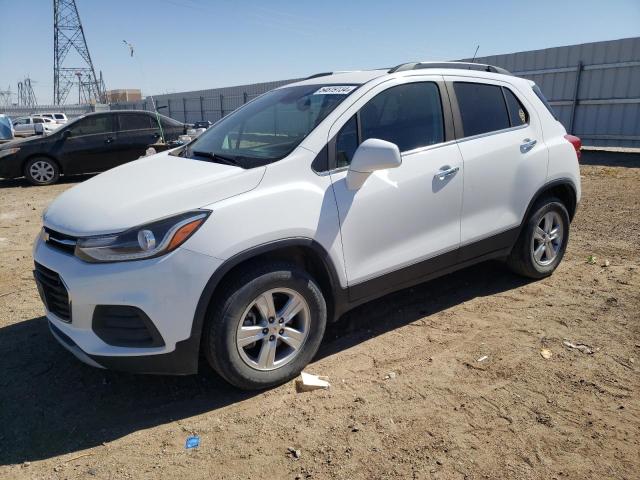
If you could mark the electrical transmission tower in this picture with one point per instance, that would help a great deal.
(26, 95)
(68, 36)
(5, 97)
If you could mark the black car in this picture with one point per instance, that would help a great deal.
(202, 124)
(92, 143)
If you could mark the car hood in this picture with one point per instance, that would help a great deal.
(145, 190)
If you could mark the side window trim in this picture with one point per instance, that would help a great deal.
(447, 117)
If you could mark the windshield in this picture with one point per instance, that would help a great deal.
(270, 127)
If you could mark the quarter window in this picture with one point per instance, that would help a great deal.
(482, 108)
(517, 113)
(347, 143)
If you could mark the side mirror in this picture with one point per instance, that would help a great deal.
(66, 133)
(372, 154)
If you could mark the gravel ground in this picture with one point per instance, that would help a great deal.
(409, 396)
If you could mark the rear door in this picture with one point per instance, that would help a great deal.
(504, 156)
(89, 146)
(136, 131)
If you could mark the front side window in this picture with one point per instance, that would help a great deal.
(408, 115)
(270, 127)
(482, 108)
(38, 120)
(92, 125)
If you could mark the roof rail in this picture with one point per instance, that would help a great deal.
(316, 75)
(458, 65)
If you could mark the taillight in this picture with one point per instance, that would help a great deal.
(576, 142)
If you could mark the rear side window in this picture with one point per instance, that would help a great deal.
(134, 122)
(517, 113)
(408, 115)
(544, 100)
(482, 108)
(59, 116)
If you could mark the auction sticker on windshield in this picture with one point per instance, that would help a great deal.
(336, 90)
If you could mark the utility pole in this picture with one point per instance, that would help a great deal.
(68, 34)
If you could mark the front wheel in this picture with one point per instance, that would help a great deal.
(543, 240)
(265, 327)
(41, 171)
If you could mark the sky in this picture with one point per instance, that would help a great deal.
(182, 45)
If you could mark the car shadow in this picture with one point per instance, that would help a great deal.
(51, 404)
(22, 182)
(610, 159)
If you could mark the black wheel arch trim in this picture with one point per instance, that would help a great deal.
(207, 294)
(558, 182)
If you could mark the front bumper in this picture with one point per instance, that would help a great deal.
(167, 289)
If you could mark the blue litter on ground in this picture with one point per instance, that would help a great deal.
(192, 442)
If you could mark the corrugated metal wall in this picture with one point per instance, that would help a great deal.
(603, 111)
(211, 104)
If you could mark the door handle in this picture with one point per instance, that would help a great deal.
(109, 140)
(446, 171)
(527, 144)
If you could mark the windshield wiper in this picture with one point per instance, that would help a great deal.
(216, 157)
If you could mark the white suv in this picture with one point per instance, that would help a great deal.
(307, 201)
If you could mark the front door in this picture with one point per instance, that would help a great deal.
(89, 145)
(403, 221)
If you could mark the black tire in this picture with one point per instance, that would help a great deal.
(521, 260)
(219, 335)
(48, 165)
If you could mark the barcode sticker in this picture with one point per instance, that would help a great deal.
(335, 90)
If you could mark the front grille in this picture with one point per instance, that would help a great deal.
(53, 292)
(60, 241)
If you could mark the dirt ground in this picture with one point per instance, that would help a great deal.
(409, 396)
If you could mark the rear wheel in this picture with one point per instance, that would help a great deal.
(41, 171)
(543, 241)
(265, 327)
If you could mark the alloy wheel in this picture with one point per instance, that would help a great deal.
(273, 329)
(547, 238)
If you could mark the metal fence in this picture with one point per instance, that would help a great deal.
(191, 109)
(71, 111)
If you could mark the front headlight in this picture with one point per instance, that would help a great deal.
(146, 241)
(9, 151)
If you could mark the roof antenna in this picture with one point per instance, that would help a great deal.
(474, 55)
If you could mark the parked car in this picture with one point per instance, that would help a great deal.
(26, 126)
(93, 143)
(6, 128)
(202, 124)
(58, 117)
(305, 202)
